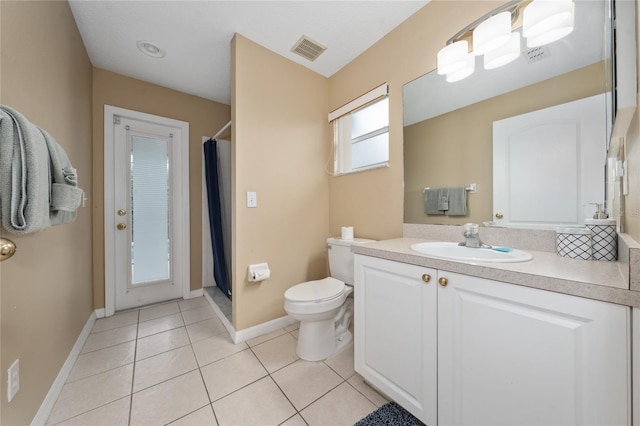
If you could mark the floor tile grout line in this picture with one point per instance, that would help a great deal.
(102, 372)
(200, 367)
(358, 390)
(85, 412)
(270, 374)
(287, 397)
(133, 373)
(98, 373)
(204, 383)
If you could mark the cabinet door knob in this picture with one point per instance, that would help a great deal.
(499, 215)
(443, 281)
(426, 278)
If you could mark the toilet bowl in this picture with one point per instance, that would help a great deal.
(324, 307)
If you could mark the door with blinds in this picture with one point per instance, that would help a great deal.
(147, 212)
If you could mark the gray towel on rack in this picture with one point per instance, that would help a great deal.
(431, 201)
(443, 199)
(65, 196)
(38, 186)
(24, 174)
(457, 201)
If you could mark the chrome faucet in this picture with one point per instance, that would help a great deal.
(471, 237)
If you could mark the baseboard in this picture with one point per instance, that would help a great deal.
(54, 391)
(101, 313)
(196, 293)
(221, 316)
(251, 332)
(264, 328)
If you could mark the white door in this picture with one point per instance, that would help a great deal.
(395, 332)
(146, 207)
(513, 355)
(549, 164)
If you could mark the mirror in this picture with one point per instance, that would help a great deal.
(448, 127)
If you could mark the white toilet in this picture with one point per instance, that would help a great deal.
(322, 306)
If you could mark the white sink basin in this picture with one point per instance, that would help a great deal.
(453, 251)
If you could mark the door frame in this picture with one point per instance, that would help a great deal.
(181, 196)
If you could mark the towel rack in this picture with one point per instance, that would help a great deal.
(472, 188)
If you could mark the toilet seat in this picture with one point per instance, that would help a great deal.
(315, 291)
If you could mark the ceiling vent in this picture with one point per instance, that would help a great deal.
(537, 54)
(308, 48)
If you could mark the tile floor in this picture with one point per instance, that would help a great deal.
(175, 363)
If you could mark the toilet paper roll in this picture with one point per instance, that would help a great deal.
(347, 232)
(259, 272)
(261, 275)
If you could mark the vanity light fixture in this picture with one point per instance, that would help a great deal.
(150, 49)
(492, 33)
(453, 57)
(467, 68)
(544, 21)
(504, 54)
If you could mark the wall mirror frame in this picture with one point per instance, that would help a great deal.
(448, 143)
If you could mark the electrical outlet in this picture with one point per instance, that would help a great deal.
(13, 384)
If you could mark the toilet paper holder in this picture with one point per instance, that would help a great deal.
(259, 272)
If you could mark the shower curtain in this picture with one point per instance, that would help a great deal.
(220, 271)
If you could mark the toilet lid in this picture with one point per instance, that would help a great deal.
(315, 291)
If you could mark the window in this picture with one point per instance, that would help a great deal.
(361, 133)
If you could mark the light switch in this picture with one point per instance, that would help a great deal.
(252, 199)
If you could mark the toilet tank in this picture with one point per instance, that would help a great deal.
(341, 258)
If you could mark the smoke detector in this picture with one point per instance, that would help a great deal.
(308, 49)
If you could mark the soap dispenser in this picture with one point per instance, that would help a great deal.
(599, 214)
(604, 238)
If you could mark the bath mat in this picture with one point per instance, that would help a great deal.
(390, 414)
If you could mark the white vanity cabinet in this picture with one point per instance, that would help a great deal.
(395, 332)
(505, 354)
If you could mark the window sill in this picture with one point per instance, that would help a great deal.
(363, 169)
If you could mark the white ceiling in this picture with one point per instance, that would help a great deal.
(196, 35)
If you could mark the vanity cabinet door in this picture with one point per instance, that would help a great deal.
(513, 355)
(395, 332)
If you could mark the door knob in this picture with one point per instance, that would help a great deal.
(122, 226)
(426, 278)
(122, 212)
(7, 249)
(499, 215)
(443, 281)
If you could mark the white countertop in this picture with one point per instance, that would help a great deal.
(600, 280)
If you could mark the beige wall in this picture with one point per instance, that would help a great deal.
(205, 118)
(372, 201)
(439, 152)
(280, 146)
(46, 286)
